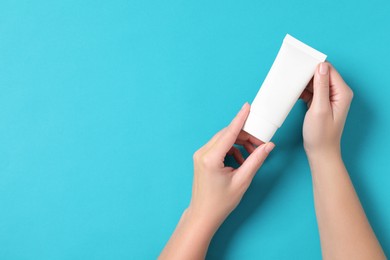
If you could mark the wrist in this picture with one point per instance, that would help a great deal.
(326, 170)
(190, 240)
(324, 156)
(200, 223)
(325, 150)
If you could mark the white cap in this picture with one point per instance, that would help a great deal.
(259, 127)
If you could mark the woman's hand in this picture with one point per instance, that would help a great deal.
(328, 108)
(345, 232)
(217, 189)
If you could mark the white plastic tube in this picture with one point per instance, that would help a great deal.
(291, 71)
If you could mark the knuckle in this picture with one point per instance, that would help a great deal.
(350, 94)
(347, 91)
(231, 131)
(244, 184)
(205, 160)
(347, 94)
(323, 82)
(320, 111)
(202, 159)
(196, 156)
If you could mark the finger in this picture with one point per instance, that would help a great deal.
(210, 143)
(335, 77)
(229, 136)
(309, 86)
(249, 168)
(306, 96)
(338, 85)
(321, 87)
(245, 137)
(249, 147)
(309, 103)
(340, 95)
(253, 140)
(235, 152)
(242, 138)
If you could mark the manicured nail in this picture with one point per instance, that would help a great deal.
(324, 68)
(269, 147)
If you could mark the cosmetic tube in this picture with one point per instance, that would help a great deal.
(294, 66)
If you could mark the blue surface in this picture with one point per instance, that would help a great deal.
(103, 103)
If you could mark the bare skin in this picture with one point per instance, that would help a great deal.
(217, 189)
(345, 232)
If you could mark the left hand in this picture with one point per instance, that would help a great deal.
(217, 189)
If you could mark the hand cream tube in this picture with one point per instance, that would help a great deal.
(290, 73)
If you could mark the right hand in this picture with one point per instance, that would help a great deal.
(328, 98)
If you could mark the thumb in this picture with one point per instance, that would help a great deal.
(321, 87)
(251, 165)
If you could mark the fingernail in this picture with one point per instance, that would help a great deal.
(324, 68)
(269, 147)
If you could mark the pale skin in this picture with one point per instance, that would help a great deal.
(345, 232)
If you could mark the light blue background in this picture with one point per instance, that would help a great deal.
(103, 103)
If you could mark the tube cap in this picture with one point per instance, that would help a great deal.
(259, 127)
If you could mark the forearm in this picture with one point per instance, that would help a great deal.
(191, 238)
(344, 229)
